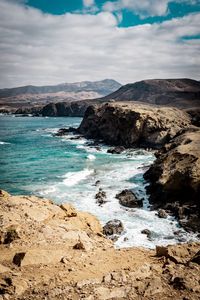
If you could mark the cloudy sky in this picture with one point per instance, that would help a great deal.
(55, 41)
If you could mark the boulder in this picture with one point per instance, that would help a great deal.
(127, 198)
(174, 178)
(162, 214)
(100, 197)
(113, 227)
(133, 125)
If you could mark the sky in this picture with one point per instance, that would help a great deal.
(44, 42)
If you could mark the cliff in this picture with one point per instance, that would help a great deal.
(175, 178)
(133, 125)
(55, 252)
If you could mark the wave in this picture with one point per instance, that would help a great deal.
(72, 178)
(4, 143)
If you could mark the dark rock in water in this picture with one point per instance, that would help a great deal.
(97, 182)
(64, 131)
(100, 197)
(113, 227)
(127, 198)
(174, 178)
(147, 232)
(116, 150)
(162, 214)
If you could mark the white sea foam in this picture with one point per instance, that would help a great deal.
(72, 178)
(115, 175)
(91, 157)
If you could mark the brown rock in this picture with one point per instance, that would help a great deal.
(175, 178)
(131, 124)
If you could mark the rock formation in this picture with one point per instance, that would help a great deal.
(128, 199)
(133, 125)
(56, 252)
(175, 178)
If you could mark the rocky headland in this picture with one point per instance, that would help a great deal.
(50, 251)
(132, 124)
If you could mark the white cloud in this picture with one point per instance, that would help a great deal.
(88, 3)
(144, 8)
(40, 49)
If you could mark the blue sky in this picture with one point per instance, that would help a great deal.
(130, 17)
(54, 41)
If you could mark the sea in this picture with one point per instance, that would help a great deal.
(33, 161)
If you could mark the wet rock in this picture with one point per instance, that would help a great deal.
(113, 227)
(127, 198)
(147, 232)
(97, 183)
(64, 131)
(116, 150)
(162, 214)
(100, 197)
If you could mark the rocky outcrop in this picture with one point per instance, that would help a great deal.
(175, 178)
(60, 253)
(65, 109)
(133, 125)
(128, 199)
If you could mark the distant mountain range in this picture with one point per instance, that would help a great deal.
(73, 99)
(41, 95)
(183, 93)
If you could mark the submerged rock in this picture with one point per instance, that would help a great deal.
(127, 198)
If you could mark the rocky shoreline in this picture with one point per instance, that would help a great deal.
(56, 252)
(174, 177)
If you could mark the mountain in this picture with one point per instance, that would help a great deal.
(41, 95)
(183, 93)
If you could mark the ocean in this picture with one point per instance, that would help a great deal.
(34, 161)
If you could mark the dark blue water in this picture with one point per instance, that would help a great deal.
(33, 161)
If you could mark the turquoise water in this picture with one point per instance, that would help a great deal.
(33, 161)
